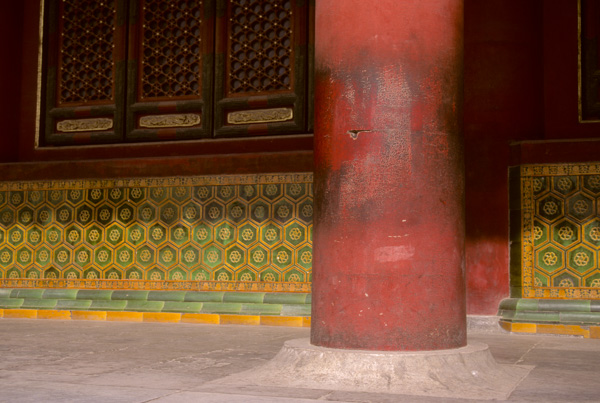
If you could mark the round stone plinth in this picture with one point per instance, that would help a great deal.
(469, 372)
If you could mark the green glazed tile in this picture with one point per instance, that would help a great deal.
(526, 304)
(73, 305)
(308, 299)
(580, 317)
(5, 292)
(130, 295)
(595, 305)
(536, 317)
(507, 313)
(144, 306)
(245, 297)
(261, 309)
(285, 298)
(204, 296)
(183, 307)
(20, 293)
(221, 307)
(95, 294)
(295, 310)
(509, 304)
(57, 293)
(103, 305)
(10, 303)
(39, 303)
(166, 296)
(563, 305)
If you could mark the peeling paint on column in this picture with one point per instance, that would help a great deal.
(389, 219)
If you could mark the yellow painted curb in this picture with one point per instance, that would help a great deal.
(163, 317)
(595, 332)
(240, 320)
(202, 318)
(52, 314)
(21, 313)
(506, 325)
(524, 327)
(125, 316)
(88, 315)
(572, 330)
(293, 321)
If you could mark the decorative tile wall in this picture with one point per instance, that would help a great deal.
(250, 232)
(560, 230)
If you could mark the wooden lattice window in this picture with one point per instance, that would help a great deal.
(144, 70)
(589, 17)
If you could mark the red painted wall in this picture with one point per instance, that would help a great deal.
(11, 15)
(503, 103)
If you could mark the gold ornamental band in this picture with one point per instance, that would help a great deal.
(260, 116)
(178, 120)
(84, 125)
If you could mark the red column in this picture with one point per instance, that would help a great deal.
(389, 180)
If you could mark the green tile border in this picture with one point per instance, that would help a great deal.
(529, 310)
(240, 303)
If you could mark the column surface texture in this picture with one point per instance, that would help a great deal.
(389, 176)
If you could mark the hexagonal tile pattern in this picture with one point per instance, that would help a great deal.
(560, 242)
(254, 228)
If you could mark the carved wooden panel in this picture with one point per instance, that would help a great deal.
(260, 46)
(84, 100)
(171, 56)
(261, 67)
(156, 70)
(589, 13)
(86, 57)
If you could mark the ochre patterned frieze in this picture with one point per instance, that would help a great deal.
(250, 232)
(560, 231)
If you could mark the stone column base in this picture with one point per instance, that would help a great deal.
(469, 372)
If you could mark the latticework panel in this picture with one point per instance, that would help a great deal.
(171, 53)
(561, 231)
(260, 46)
(86, 56)
(226, 229)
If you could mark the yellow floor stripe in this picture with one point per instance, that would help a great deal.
(240, 319)
(122, 316)
(21, 313)
(293, 321)
(166, 317)
(540, 328)
(52, 314)
(201, 318)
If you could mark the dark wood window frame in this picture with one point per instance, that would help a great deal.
(589, 54)
(281, 134)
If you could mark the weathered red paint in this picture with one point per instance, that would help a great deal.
(503, 87)
(389, 228)
(11, 14)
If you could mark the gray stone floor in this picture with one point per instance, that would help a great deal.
(81, 361)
